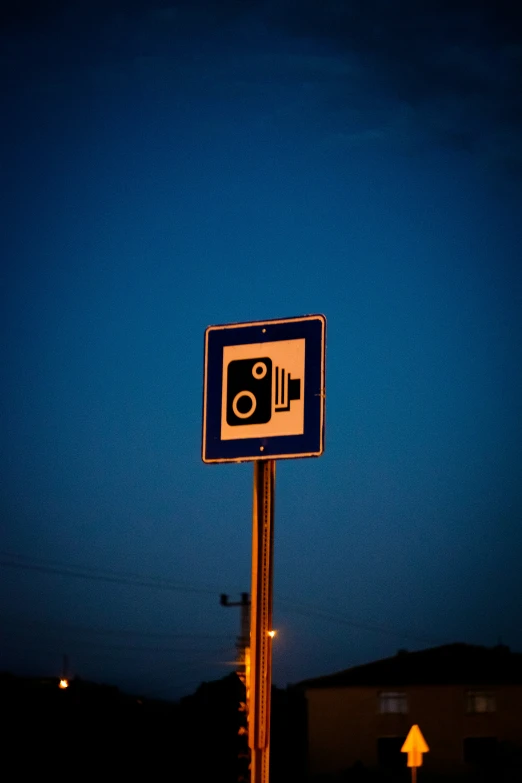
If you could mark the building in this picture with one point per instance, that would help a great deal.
(467, 701)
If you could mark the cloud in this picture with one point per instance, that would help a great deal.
(457, 64)
(351, 67)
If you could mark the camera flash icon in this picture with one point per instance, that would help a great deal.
(286, 389)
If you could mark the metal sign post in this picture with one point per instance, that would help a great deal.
(263, 399)
(261, 619)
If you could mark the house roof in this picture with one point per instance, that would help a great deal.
(450, 664)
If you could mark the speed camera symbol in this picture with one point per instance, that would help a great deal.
(256, 390)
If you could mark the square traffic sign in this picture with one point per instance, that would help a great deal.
(264, 390)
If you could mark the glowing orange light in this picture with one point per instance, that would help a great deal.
(271, 634)
(63, 684)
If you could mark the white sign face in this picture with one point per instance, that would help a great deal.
(263, 389)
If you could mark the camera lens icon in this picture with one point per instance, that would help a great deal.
(250, 406)
(259, 370)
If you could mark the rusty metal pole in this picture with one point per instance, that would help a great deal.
(261, 620)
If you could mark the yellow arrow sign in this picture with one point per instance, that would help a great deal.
(415, 745)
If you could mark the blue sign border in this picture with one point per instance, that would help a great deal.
(311, 444)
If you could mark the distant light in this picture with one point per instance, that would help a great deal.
(271, 634)
(63, 684)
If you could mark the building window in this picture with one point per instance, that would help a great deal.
(389, 753)
(480, 701)
(391, 701)
(480, 751)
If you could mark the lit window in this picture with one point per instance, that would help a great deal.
(480, 701)
(393, 702)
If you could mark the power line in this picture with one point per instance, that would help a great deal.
(88, 573)
(111, 572)
(140, 580)
(137, 648)
(128, 647)
(312, 611)
(111, 631)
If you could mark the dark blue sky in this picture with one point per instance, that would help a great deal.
(170, 165)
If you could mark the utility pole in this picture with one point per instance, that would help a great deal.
(243, 640)
(243, 672)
